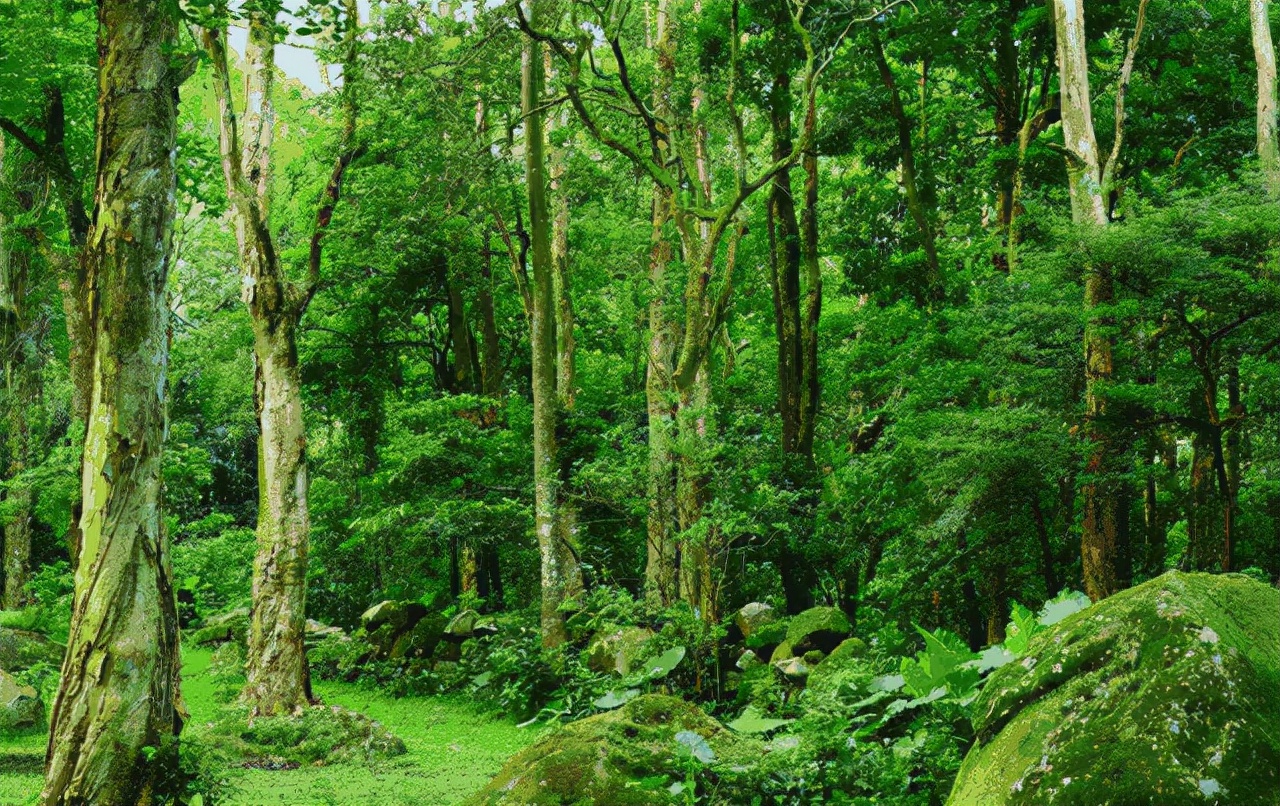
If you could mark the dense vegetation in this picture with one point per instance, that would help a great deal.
(759, 387)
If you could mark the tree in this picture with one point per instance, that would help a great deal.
(278, 680)
(114, 726)
(1091, 181)
(561, 575)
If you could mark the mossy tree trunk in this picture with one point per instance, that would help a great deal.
(114, 725)
(561, 574)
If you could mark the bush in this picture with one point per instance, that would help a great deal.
(217, 569)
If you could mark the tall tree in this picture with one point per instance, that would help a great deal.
(277, 677)
(1091, 182)
(561, 574)
(119, 680)
(1265, 54)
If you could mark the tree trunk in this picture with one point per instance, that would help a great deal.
(1265, 54)
(561, 575)
(20, 379)
(491, 354)
(662, 584)
(461, 378)
(277, 678)
(119, 680)
(916, 204)
(1102, 493)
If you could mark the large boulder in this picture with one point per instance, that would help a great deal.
(618, 649)
(400, 615)
(751, 617)
(821, 628)
(20, 650)
(1165, 693)
(20, 706)
(421, 641)
(602, 759)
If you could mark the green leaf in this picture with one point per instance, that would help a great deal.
(753, 721)
(615, 699)
(696, 745)
(662, 665)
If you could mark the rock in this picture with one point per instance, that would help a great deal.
(462, 625)
(230, 626)
(818, 628)
(421, 641)
(751, 617)
(1165, 693)
(795, 670)
(400, 615)
(20, 706)
(318, 631)
(748, 660)
(601, 759)
(21, 649)
(617, 650)
(844, 662)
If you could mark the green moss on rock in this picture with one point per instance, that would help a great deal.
(21, 649)
(1166, 693)
(845, 662)
(601, 759)
(818, 628)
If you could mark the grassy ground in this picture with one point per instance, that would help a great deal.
(453, 751)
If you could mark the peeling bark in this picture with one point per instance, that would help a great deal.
(119, 681)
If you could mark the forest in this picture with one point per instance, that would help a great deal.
(628, 402)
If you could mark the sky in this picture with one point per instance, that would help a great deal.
(297, 62)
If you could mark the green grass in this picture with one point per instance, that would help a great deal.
(453, 750)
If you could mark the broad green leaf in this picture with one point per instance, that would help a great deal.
(752, 721)
(696, 745)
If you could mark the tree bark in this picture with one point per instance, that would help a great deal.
(119, 680)
(1265, 55)
(561, 574)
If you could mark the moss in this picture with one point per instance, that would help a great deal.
(321, 734)
(1163, 693)
(768, 635)
(602, 759)
(846, 662)
(818, 628)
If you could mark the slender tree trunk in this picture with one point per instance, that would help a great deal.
(491, 354)
(1100, 540)
(277, 677)
(662, 584)
(119, 680)
(561, 575)
(1265, 54)
(20, 379)
(916, 203)
(461, 379)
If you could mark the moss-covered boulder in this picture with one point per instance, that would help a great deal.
(230, 626)
(1167, 693)
(400, 615)
(818, 628)
(20, 706)
(21, 649)
(752, 616)
(602, 759)
(420, 641)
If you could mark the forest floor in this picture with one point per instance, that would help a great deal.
(453, 750)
